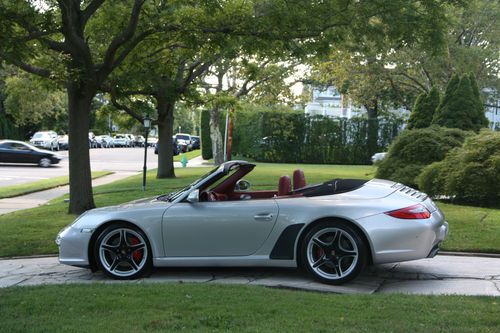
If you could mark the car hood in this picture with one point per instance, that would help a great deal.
(145, 203)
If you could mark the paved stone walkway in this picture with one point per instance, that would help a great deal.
(9, 205)
(462, 275)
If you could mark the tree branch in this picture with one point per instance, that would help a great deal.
(89, 11)
(122, 38)
(124, 107)
(43, 72)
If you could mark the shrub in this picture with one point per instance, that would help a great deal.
(469, 174)
(423, 111)
(461, 106)
(412, 150)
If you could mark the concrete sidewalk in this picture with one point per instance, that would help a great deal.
(440, 275)
(35, 199)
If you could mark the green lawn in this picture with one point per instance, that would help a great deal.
(189, 155)
(218, 308)
(32, 231)
(472, 229)
(21, 189)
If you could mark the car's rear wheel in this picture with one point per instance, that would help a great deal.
(123, 252)
(333, 252)
(44, 162)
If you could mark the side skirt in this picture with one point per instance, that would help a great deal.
(245, 261)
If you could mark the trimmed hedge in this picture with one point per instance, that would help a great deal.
(469, 174)
(294, 137)
(414, 149)
(206, 141)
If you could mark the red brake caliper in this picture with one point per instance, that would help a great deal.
(137, 253)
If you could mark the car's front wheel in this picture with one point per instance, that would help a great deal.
(123, 252)
(333, 252)
(44, 162)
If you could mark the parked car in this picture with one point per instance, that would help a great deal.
(152, 141)
(184, 142)
(196, 141)
(12, 151)
(45, 140)
(121, 140)
(139, 141)
(131, 140)
(378, 157)
(331, 230)
(92, 141)
(175, 147)
(63, 142)
(104, 141)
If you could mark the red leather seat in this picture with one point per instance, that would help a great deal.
(284, 186)
(299, 180)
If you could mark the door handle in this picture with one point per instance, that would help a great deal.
(263, 217)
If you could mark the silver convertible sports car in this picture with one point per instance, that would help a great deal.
(332, 230)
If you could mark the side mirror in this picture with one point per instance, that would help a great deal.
(242, 185)
(194, 196)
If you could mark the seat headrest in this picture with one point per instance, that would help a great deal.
(284, 186)
(299, 180)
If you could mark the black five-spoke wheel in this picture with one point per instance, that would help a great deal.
(333, 252)
(123, 252)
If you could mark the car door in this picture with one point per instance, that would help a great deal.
(6, 152)
(23, 154)
(219, 228)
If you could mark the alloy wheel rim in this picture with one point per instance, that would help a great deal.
(332, 253)
(123, 252)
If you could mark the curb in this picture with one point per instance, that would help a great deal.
(469, 254)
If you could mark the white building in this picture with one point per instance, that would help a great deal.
(328, 101)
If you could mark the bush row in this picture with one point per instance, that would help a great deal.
(294, 137)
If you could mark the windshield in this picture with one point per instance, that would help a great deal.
(174, 195)
(38, 135)
(182, 137)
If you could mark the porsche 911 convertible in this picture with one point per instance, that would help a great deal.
(331, 230)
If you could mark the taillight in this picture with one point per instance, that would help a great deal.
(413, 212)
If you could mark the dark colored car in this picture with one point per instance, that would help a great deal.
(174, 147)
(20, 152)
(196, 142)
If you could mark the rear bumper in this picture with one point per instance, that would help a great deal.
(395, 240)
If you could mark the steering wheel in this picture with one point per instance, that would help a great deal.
(208, 196)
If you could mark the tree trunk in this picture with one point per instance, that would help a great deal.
(80, 191)
(216, 136)
(165, 111)
(372, 130)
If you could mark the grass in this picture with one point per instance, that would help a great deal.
(32, 231)
(189, 155)
(21, 189)
(472, 229)
(225, 308)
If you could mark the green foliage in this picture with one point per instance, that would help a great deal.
(469, 174)
(298, 138)
(461, 106)
(206, 142)
(424, 109)
(412, 150)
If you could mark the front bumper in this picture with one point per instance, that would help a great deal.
(73, 245)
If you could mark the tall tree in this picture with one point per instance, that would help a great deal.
(424, 109)
(55, 40)
(229, 81)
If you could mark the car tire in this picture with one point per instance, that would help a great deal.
(123, 252)
(333, 252)
(44, 162)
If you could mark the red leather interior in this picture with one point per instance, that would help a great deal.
(284, 186)
(299, 180)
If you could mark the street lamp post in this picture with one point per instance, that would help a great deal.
(147, 125)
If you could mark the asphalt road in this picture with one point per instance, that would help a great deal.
(112, 159)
